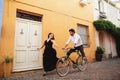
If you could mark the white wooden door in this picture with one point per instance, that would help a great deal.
(27, 40)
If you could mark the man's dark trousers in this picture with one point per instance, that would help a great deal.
(80, 48)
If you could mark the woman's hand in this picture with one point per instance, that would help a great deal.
(38, 49)
(63, 48)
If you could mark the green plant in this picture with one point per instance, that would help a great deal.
(8, 59)
(104, 25)
(99, 50)
(109, 27)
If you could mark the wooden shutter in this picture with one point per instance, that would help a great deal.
(83, 32)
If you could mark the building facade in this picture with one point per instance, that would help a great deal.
(103, 8)
(108, 11)
(26, 24)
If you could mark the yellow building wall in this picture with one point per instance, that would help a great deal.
(58, 16)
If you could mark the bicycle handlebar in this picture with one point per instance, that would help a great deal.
(65, 50)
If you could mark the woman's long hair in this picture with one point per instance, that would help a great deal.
(53, 38)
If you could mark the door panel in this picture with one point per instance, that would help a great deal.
(20, 56)
(21, 44)
(35, 34)
(35, 40)
(34, 59)
(21, 33)
(20, 59)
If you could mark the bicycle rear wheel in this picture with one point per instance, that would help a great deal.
(82, 65)
(62, 67)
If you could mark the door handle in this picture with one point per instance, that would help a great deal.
(28, 46)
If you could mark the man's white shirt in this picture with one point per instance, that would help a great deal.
(75, 39)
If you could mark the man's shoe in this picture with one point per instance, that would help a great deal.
(75, 66)
(85, 59)
(62, 60)
(83, 62)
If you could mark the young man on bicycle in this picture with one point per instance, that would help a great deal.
(78, 45)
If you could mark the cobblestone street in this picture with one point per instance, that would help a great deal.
(105, 70)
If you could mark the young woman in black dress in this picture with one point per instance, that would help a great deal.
(49, 56)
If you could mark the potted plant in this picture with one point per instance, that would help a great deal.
(8, 59)
(99, 53)
(7, 66)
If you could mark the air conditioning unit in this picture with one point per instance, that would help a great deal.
(84, 2)
(103, 15)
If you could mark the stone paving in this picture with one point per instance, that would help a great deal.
(105, 70)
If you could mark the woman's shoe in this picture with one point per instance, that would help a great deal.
(44, 74)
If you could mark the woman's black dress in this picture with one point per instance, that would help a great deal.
(49, 57)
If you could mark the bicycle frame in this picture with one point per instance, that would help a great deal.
(79, 55)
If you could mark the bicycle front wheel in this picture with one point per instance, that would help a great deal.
(82, 65)
(62, 67)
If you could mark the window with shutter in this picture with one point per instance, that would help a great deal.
(101, 6)
(96, 4)
(119, 15)
(83, 32)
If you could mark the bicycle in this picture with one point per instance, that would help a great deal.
(63, 64)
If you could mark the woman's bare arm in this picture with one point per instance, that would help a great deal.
(40, 47)
(55, 44)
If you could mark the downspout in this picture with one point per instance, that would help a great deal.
(1, 14)
(110, 55)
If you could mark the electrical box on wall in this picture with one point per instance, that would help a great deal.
(84, 2)
(103, 15)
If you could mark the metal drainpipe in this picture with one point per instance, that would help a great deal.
(110, 55)
(1, 15)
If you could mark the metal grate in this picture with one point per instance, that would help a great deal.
(28, 16)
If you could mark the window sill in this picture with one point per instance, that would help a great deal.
(86, 46)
